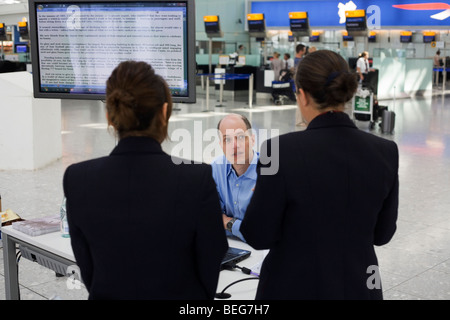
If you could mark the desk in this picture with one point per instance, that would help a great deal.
(55, 248)
(245, 290)
(58, 255)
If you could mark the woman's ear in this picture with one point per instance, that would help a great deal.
(301, 98)
(164, 110)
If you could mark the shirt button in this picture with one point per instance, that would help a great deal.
(237, 184)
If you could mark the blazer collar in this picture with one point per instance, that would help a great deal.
(331, 119)
(137, 145)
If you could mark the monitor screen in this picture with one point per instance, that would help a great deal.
(428, 39)
(77, 44)
(347, 38)
(21, 48)
(299, 24)
(212, 27)
(314, 38)
(356, 24)
(405, 38)
(256, 26)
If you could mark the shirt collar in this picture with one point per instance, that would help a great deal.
(251, 172)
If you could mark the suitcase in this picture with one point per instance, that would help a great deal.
(388, 121)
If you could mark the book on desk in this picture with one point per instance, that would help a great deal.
(38, 226)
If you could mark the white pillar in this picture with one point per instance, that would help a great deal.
(30, 129)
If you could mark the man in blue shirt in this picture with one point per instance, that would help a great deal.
(235, 171)
(300, 52)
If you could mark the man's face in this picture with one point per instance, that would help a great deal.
(236, 141)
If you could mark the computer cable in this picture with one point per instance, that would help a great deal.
(18, 256)
(232, 266)
(224, 295)
(247, 271)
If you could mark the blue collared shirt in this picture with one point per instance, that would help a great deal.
(234, 192)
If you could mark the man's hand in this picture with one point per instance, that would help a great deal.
(226, 219)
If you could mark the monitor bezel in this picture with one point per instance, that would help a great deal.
(190, 7)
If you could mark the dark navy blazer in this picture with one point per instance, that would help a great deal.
(143, 227)
(334, 197)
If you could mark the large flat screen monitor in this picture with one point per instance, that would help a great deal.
(75, 45)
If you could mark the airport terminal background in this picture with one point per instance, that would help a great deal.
(415, 265)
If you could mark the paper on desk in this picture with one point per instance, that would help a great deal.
(9, 216)
(257, 267)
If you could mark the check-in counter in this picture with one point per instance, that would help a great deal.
(250, 59)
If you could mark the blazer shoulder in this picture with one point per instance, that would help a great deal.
(191, 168)
(386, 143)
(82, 165)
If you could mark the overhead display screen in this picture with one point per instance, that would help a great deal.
(380, 13)
(356, 24)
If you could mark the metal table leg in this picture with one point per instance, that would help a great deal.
(10, 265)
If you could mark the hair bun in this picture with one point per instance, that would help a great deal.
(342, 88)
(325, 75)
(120, 97)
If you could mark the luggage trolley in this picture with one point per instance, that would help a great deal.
(362, 106)
(283, 91)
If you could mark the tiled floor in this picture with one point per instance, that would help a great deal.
(414, 265)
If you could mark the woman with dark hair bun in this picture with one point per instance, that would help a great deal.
(141, 226)
(333, 198)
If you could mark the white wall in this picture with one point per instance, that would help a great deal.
(13, 13)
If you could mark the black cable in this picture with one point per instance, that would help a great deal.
(247, 270)
(231, 266)
(18, 256)
(224, 295)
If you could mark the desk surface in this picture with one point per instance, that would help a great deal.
(246, 290)
(52, 242)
